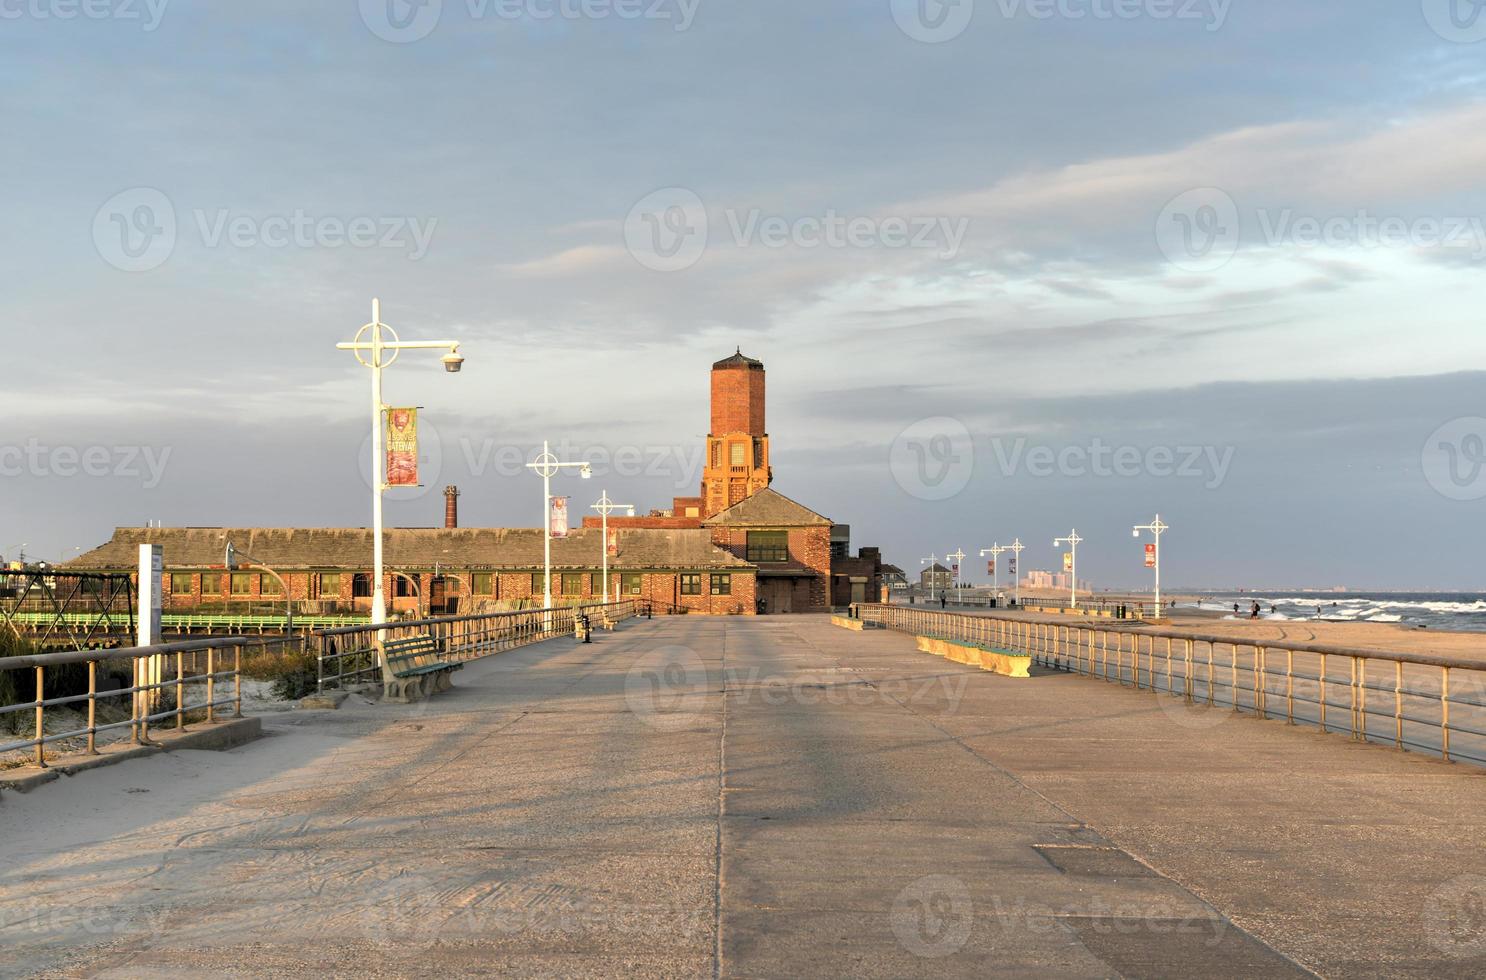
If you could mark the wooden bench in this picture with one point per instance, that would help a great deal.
(413, 668)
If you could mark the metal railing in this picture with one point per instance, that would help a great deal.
(1412, 701)
(182, 682)
(351, 654)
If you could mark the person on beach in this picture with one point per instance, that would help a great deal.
(1254, 610)
(1235, 609)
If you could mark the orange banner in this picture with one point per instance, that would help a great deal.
(402, 447)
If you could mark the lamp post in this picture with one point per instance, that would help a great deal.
(377, 350)
(1157, 529)
(1016, 548)
(995, 551)
(605, 506)
(954, 558)
(1072, 541)
(931, 561)
(547, 466)
(234, 560)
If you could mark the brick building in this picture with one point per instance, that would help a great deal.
(803, 559)
(738, 547)
(436, 571)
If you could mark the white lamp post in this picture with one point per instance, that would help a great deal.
(378, 359)
(1157, 529)
(954, 558)
(995, 551)
(1072, 541)
(605, 506)
(1016, 548)
(547, 466)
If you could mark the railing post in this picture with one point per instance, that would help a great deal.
(1290, 687)
(1323, 693)
(1398, 704)
(92, 707)
(1259, 684)
(1187, 670)
(1445, 714)
(180, 691)
(211, 685)
(237, 680)
(40, 717)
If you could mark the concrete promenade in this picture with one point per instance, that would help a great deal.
(754, 797)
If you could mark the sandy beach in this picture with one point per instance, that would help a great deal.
(1466, 647)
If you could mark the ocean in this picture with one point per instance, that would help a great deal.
(1464, 612)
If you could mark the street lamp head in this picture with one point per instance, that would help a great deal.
(586, 472)
(629, 512)
(453, 361)
(1135, 533)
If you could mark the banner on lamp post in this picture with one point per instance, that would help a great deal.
(613, 544)
(991, 567)
(1067, 561)
(402, 447)
(1150, 556)
(558, 519)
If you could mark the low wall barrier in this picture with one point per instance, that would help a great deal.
(173, 684)
(1414, 702)
(351, 654)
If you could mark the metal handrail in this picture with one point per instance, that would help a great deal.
(1253, 672)
(351, 654)
(145, 694)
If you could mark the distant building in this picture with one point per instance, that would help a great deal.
(935, 578)
(894, 579)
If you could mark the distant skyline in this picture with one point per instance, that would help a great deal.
(1014, 269)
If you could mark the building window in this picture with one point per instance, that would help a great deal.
(403, 587)
(361, 586)
(211, 583)
(722, 585)
(180, 583)
(766, 546)
(326, 584)
(691, 583)
(758, 454)
(538, 584)
(483, 583)
(268, 585)
(242, 583)
(738, 454)
(630, 583)
(840, 549)
(572, 583)
(716, 454)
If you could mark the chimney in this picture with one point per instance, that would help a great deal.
(451, 507)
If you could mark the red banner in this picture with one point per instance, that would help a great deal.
(991, 567)
(558, 521)
(402, 447)
(613, 544)
(1150, 556)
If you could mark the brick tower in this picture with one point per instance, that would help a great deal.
(737, 445)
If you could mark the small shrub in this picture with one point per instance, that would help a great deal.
(293, 675)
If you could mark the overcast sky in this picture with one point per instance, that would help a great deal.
(1014, 266)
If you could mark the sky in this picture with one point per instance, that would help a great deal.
(1015, 267)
